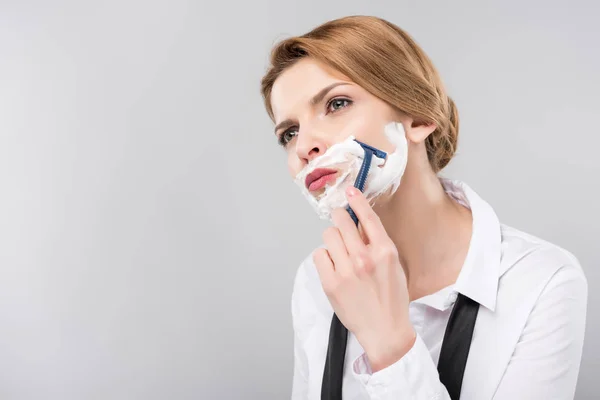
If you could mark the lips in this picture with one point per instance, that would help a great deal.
(317, 179)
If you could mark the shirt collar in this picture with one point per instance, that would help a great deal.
(440, 300)
(478, 278)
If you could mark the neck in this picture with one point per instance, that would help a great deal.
(430, 230)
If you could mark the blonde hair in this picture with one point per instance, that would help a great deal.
(384, 60)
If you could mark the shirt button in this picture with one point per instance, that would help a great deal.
(451, 299)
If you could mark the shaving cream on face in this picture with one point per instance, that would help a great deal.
(347, 157)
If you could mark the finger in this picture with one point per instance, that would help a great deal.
(363, 235)
(325, 268)
(360, 258)
(350, 234)
(336, 248)
(373, 228)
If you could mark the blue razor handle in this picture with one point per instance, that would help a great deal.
(361, 178)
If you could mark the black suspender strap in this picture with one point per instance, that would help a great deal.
(453, 355)
(333, 374)
(456, 344)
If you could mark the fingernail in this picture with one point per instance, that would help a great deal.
(351, 191)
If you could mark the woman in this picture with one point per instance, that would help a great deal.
(421, 245)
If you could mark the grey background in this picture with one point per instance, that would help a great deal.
(149, 232)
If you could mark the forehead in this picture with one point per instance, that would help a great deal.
(293, 89)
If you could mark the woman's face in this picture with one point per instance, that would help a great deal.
(316, 107)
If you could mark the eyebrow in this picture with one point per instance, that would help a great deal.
(315, 100)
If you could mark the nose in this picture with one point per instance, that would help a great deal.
(310, 145)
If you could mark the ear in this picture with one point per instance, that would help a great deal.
(417, 131)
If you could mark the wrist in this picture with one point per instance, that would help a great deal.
(384, 353)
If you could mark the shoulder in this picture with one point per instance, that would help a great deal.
(533, 266)
(521, 251)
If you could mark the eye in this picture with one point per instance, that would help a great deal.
(337, 104)
(286, 136)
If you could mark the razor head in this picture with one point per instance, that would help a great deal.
(376, 152)
(361, 178)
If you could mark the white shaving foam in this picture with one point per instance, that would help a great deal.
(347, 156)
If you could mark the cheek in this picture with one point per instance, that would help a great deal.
(294, 164)
(371, 132)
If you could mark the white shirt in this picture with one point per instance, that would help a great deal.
(528, 336)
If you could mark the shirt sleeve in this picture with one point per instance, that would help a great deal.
(300, 378)
(414, 376)
(544, 365)
(299, 382)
